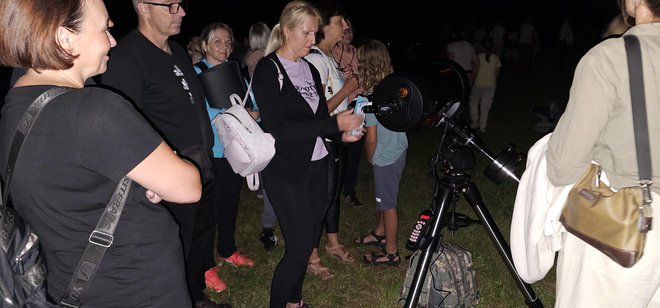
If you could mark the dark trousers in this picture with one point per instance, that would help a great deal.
(299, 207)
(352, 159)
(200, 258)
(227, 193)
(336, 167)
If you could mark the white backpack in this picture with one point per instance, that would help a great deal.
(247, 148)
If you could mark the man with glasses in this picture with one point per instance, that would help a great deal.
(156, 74)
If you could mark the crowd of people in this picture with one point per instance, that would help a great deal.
(152, 112)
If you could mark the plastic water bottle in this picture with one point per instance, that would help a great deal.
(360, 102)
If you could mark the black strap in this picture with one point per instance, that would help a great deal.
(640, 122)
(101, 238)
(201, 66)
(23, 128)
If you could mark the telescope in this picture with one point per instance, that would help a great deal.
(435, 97)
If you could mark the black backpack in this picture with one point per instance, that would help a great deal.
(22, 264)
(23, 267)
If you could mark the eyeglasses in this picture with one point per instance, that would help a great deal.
(349, 30)
(173, 7)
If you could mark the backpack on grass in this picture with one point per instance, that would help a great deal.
(451, 281)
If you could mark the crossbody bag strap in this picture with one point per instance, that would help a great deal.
(99, 240)
(640, 122)
(106, 226)
(23, 128)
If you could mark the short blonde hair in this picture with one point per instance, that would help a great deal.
(258, 37)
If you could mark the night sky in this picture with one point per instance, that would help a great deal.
(411, 20)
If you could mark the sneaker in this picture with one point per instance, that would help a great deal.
(269, 239)
(353, 201)
(237, 259)
(213, 281)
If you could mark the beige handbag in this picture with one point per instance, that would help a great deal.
(616, 223)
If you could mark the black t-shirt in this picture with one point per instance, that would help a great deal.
(82, 144)
(164, 87)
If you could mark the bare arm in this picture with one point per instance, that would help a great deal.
(350, 85)
(370, 142)
(168, 176)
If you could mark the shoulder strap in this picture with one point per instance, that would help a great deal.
(201, 65)
(636, 77)
(24, 127)
(640, 125)
(101, 236)
(280, 77)
(99, 240)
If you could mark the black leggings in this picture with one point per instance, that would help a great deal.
(299, 207)
(336, 167)
(226, 197)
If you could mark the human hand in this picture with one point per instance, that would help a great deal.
(153, 197)
(352, 83)
(349, 137)
(347, 120)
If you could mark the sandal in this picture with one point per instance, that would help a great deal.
(315, 268)
(341, 253)
(382, 258)
(362, 240)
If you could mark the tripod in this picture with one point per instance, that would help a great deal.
(446, 193)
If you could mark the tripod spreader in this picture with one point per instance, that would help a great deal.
(449, 186)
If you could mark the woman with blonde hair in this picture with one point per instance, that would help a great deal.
(294, 111)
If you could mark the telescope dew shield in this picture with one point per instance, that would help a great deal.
(398, 102)
(221, 81)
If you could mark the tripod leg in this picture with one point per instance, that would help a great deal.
(473, 197)
(440, 204)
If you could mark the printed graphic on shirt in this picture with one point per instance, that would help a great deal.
(308, 92)
(177, 72)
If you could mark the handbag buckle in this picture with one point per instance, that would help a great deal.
(646, 222)
(101, 238)
(646, 191)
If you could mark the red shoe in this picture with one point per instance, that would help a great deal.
(212, 280)
(237, 259)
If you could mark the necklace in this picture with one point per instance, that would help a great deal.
(348, 69)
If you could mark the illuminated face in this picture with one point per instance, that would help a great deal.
(218, 47)
(348, 35)
(94, 40)
(334, 31)
(159, 16)
(300, 39)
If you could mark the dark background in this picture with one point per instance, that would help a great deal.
(404, 21)
(410, 28)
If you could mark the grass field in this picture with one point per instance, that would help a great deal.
(362, 285)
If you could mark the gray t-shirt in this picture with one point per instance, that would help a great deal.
(389, 144)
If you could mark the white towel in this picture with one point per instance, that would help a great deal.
(536, 232)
